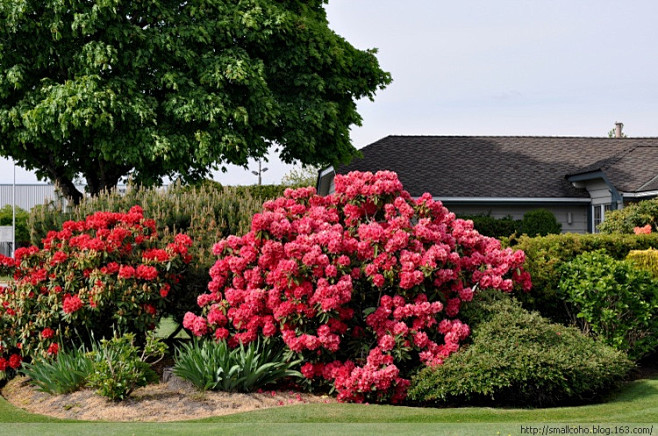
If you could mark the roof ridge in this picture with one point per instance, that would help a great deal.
(618, 157)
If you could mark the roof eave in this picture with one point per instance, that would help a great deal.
(515, 200)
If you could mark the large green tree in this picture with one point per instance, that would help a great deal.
(103, 89)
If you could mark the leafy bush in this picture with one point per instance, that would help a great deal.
(118, 366)
(613, 300)
(632, 215)
(540, 222)
(544, 256)
(205, 212)
(22, 232)
(108, 271)
(519, 358)
(68, 372)
(645, 259)
(364, 285)
(487, 225)
(213, 365)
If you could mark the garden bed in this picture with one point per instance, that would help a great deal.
(174, 400)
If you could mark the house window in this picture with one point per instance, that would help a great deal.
(598, 215)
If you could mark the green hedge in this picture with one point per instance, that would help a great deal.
(539, 222)
(546, 255)
(494, 227)
(535, 222)
(518, 358)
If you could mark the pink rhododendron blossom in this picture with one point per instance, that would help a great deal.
(645, 230)
(367, 266)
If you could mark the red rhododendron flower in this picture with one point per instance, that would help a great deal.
(53, 349)
(146, 272)
(15, 361)
(71, 304)
(149, 309)
(164, 291)
(47, 333)
(126, 271)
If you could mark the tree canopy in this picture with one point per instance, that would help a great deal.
(104, 89)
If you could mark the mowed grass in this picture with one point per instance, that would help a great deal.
(167, 326)
(636, 403)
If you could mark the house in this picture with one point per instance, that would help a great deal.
(579, 179)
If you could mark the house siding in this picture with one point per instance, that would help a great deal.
(28, 196)
(579, 213)
(600, 192)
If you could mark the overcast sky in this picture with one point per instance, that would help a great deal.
(495, 67)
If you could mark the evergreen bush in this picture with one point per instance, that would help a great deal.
(518, 358)
(613, 300)
(487, 225)
(540, 222)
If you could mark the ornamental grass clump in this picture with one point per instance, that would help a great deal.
(109, 271)
(213, 365)
(68, 372)
(364, 285)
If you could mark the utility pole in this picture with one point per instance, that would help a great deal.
(259, 173)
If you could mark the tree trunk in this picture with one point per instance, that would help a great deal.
(105, 179)
(69, 190)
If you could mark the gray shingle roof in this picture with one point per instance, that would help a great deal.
(510, 166)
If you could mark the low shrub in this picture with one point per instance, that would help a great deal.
(68, 372)
(118, 366)
(109, 271)
(213, 365)
(544, 256)
(540, 222)
(487, 225)
(518, 358)
(615, 301)
(632, 215)
(364, 285)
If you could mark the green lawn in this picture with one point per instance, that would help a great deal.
(167, 326)
(635, 406)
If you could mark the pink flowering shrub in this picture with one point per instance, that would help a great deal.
(106, 272)
(364, 284)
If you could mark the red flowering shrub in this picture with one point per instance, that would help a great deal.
(104, 273)
(365, 284)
